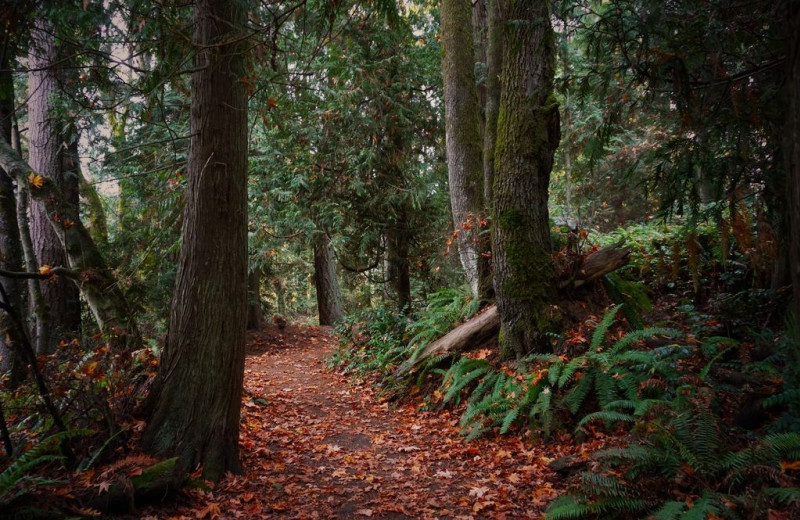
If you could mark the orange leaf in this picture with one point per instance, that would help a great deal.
(791, 466)
(36, 180)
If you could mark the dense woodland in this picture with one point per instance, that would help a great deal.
(561, 220)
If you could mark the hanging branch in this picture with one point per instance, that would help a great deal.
(41, 275)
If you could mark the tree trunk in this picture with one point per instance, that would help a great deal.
(11, 359)
(255, 316)
(792, 148)
(528, 134)
(494, 62)
(329, 298)
(464, 147)
(61, 296)
(196, 396)
(398, 269)
(96, 280)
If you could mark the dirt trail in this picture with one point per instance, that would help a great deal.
(316, 446)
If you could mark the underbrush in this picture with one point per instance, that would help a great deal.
(71, 417)
(706, 400)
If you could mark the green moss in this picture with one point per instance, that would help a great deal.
(153, 475)
(531, 266)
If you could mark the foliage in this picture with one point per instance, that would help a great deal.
(544, 386)
(371, 341)
(18, 479)
(680, 443)
(378, 340)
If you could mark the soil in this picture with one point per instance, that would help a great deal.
(315, 444)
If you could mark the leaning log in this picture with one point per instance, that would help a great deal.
(600, 263)
(485, 325)
(473, 332)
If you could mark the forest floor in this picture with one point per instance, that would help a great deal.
(317, 445)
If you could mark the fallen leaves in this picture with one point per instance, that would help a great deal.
(325, 447)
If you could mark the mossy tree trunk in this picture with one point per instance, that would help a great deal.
(494, 61)
(464, 144)
(194, 405)
(50, 159)
(329, 297)
(527, 136)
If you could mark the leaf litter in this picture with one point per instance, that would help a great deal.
(315, 444)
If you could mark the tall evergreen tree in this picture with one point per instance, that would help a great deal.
(49, 138)
(196, 395)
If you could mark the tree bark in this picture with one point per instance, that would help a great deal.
(494, 62)
(255, 316)
(463, 140)
(792, 148)
(196, 396)
(329, 298)
(11, 359)
(398, 268)
(48, 158)
(528, 134)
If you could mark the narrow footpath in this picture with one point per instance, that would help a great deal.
(315, 445)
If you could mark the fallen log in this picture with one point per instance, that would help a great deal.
(473, 332)
(600, 263)
(485, 325)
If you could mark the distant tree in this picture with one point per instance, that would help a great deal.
(464, 144)
(196, 396)
(52, 149)
(527, 136)
(329, 298)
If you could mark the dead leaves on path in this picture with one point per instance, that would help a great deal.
(315, 446)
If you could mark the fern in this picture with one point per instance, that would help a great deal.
(602, 327)
(670, 510)
(461, 374)
(606, 416)
(15, 476)
(784, 496)
(568, 507)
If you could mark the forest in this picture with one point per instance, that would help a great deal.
(400, 259)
